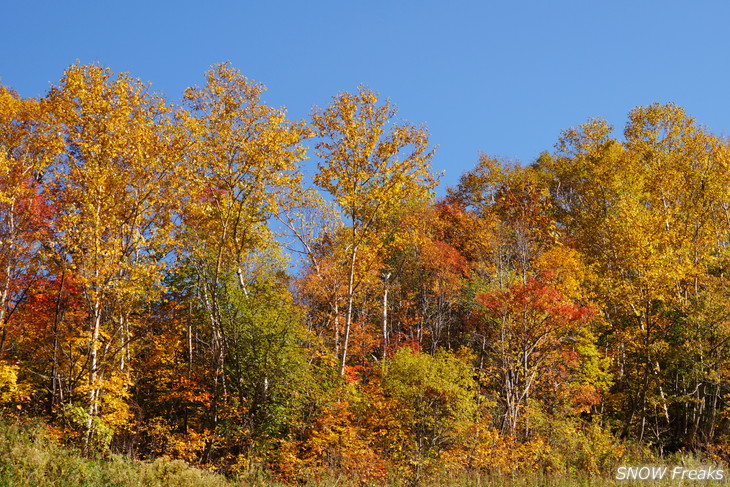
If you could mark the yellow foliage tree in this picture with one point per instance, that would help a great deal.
(371, 167)
(113, 193)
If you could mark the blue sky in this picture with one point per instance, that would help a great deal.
(499, 77)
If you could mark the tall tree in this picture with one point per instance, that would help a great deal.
(242, 168)
(112, 189)
(370, 166)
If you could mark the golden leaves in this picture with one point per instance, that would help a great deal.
(242, 164)
(112, 187)
(370, 165)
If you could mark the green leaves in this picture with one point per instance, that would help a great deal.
(436, 388)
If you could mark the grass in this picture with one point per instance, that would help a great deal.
(29, 457)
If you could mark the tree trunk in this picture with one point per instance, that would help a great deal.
(93, 408)
(348, 318)
(385, 315)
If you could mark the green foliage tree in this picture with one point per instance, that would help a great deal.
(435, 401)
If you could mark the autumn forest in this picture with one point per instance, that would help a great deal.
(174, 283)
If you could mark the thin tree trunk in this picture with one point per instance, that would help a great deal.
(93, 389)
(337, 327)
(348, 318)
(56, 390)
(6, 282)
(385, 315)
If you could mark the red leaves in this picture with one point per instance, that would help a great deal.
(531, 332)
(536, 300)
(353, 373)
(440, 257)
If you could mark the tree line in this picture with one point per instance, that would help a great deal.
(549, 316)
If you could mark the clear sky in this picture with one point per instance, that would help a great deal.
(499, 77)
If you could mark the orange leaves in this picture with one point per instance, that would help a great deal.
(335, 445)
(27, 147)
(146, 299)
(648, 218)
(113, 191)
(372, 174)
(162, 439)
(440, 256)
(187, 391)
(487, 450)
(562, 266)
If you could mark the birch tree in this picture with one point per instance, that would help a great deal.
(370, 166)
